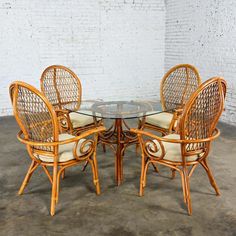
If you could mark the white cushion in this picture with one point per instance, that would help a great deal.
(80, 120)
(162, 119)
(173, 150)
(65, 150)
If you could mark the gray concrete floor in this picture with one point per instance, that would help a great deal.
(118, 210)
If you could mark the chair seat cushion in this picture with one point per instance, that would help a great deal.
(65, 150)
(173, 150)
(80, 120)
(162, 119)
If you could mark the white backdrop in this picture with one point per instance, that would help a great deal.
(116, 47)
(203, 33)
(119, 48)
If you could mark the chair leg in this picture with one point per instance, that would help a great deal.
(85, 166)
(54, 190)
(95, 174)
(210, 176)
(47, 173)
(59, 174)
(143, 178)
(155, 167)
(145, 174)
(30, 171)
(173, 173)
(187, 189)
(141, 187)
(183, 186)
(103, 147)
(136, 148)
(63, 174)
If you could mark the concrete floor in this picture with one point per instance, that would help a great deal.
(118, 210)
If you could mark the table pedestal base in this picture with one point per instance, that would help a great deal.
(118, 137)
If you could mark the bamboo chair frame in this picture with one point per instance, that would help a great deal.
(197, 131)
(177, 86)
(38, 120)
(62, 87)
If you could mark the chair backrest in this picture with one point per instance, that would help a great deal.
(177, 86)
(201, 114)
(34, 114)
(62, 87)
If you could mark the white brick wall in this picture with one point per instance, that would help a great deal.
(116, 47)
(119, 48)
(203, 33)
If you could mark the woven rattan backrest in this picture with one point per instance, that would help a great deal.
(34, 114)
(177, 86)
(62, 87)
(202, 114)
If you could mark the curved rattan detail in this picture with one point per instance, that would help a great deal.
(62, 87)
(202, 113)
(11, 91)
(177, 86)
(34, 114)
(39, 124)
(197, 130)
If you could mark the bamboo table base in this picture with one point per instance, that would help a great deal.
(118, 137)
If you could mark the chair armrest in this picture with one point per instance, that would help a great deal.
(163, 139)
(64, 119)
(174, 125)
(62, 112)
(76, 138)
(178, 111)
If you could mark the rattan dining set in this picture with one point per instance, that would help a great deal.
(60, 130)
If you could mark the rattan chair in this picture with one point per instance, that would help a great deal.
(45, 145)
(62, 88)
(177, 86)
(183, 152)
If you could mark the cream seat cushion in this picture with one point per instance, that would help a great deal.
(80, 120)
(65, 150)
(173, 150)
(162, 119)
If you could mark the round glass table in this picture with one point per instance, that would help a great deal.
(118, 135)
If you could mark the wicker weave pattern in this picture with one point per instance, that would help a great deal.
(35, 117)
(201, 116)
(40, 132)
(62, 87)
(197, 131)
(178, 85)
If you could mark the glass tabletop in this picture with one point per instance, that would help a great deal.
(118, 109)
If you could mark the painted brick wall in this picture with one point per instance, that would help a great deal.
(116, 47)
(203, 33)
